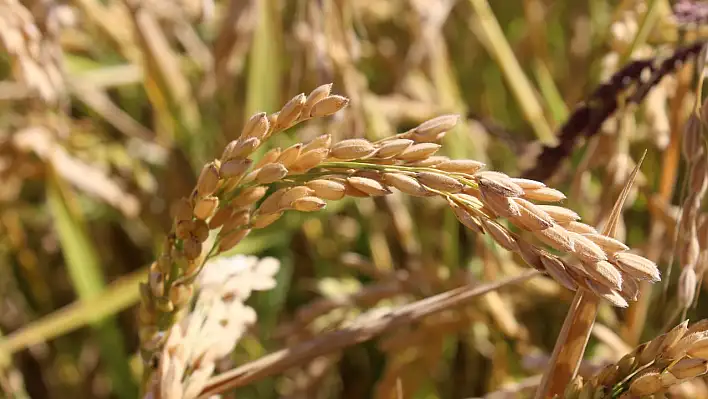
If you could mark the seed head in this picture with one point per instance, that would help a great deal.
(328, 106)
(348, 150)
(257, 126)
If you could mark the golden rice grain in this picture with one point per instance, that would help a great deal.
(501, 205)
(369, 186)
(315, 96)
(500, 235)
(240, 148)
(271, 173)
(556, 268)
(406, 184)
(236, 220)
(646, 383)
(181, 210)
(578, 227)
(269, 157)
(272, 203)
(544, 194)
(466, 166)
(636, 266)
(608, 244)
(192, 248)
(393, 147)
(557, 238)
(347, 150)
(431, 128)
(328, 106)
(586, 249)
(249, 196)
(560, 214)
(257, 126)
(264, 220)
(308, 204)
(234, 168)
(308, 160)
(208, 180)
(290, 112)
(327, 189)
(501, 185)
(464, 217)
(294, 194)
(531, 217)
(205, 207)
(289, 155)
(605, 273)
(323, 141)
(419, 151)
(231, 239)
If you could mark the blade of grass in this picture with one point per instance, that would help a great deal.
(550, 92)
(492, 38)
(573, 338)
(264, 77)
(116, 297)
(264, 64)
(83, 265)
(651, 16)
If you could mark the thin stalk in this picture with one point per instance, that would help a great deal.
(82, 262)
(360, 330)
(117, 297)
(492, 37)
(645, 26)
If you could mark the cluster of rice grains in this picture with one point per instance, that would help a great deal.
(231, 195)
(651, 368)
(223, 199)
(33, 47)
(212, 329)
(692, 246)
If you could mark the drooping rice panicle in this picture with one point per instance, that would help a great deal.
(236, 194)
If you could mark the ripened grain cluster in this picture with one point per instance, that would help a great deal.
(235, 194)
(690, 248)
(34, 48)
(213, 327)
(667, 360)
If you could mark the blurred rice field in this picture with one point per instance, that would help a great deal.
(109, 109)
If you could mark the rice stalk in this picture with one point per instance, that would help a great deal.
(361, 329)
